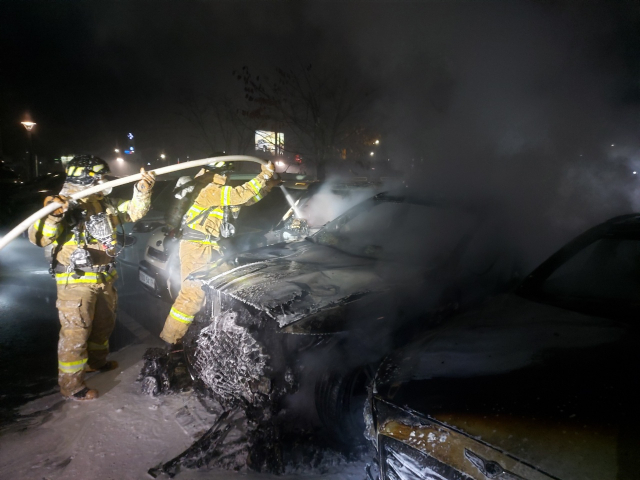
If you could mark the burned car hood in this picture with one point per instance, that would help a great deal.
(552, 388)
(294, 280)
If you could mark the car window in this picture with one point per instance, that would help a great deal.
(607, 269)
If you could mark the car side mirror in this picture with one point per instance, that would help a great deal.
(125, 240)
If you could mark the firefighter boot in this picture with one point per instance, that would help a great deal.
(83, 395)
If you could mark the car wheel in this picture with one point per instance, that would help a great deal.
(340, 399)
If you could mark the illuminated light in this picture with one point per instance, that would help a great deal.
(128, 152)
(130, 136)
(117, 150)
(148, 163)
(280, 163)
(377, 142)
(371, 154)
(28, 125)
(635, 173)
(120, 159)
(163, 156)
(612, 145)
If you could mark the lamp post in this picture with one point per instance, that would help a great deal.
(29, 126)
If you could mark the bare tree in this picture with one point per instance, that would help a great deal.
(322, 110)
(220, 122)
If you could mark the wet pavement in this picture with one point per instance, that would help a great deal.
(29, 322)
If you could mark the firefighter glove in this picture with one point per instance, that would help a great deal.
(64, 201)
(268, 170)
(148, 180)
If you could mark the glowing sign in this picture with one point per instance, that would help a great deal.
(128, 152)
(130, 136)
(270, 142)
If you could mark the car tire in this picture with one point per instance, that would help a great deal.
(340, 398)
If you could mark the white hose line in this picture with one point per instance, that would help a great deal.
(43, 212)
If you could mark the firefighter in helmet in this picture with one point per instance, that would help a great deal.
(80, 238)
(202, 226)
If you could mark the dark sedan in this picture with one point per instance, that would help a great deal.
(538, 384)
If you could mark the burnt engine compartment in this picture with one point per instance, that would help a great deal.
(234, 354)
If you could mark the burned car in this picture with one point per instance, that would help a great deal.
(271, 221)
(540, 383)
(311, 317)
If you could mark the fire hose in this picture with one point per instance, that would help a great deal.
(43, 212)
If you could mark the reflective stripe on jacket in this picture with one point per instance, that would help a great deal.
(75, 278)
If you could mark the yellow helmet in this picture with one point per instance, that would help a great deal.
(86, 170)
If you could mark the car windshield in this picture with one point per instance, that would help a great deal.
(605, 270)
(398, 230)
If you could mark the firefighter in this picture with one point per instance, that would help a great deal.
(201, 228)
(80, 238)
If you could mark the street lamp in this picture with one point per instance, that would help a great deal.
(29, 126)
(163, 156)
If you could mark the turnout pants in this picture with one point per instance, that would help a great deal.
(193, 256)
(87, 317)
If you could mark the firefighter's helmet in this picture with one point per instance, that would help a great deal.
(86, 170)
(221, 168)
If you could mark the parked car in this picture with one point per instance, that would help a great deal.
(135, 236)
(538, 384)
(311, 316)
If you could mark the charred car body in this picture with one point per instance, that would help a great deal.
(538, 384)
(313, 316)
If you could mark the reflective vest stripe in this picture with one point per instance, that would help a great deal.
(216, 213)
(73, 242)
(124, 206)
(255, 186)
(257, 198)
(86, 277)
(98, 346)
(112, 275)
(181, 317)
(72, 367)
(48, 230)
(225, 192)
(203, 242)
(194, 210)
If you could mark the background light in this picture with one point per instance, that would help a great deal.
(119, 159)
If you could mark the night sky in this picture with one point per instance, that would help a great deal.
(516, 101)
